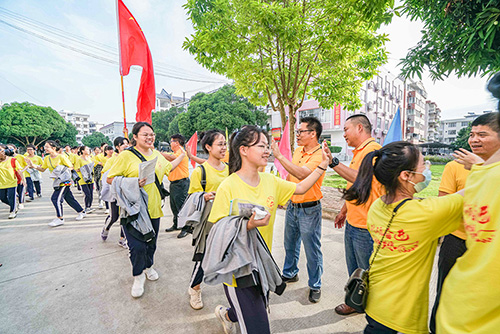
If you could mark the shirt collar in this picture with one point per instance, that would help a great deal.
(311, 151)
(363, 144)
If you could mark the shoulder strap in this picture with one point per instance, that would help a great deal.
(13, 163)
(203, 180)
(140, 156)
(387, 229)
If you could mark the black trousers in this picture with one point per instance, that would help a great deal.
(197, 275)
(451, 249)
(178, 194)
(141, 252)
(8, 196)
(88, 191)
(248, 308)
(375, 327)
(113, 217)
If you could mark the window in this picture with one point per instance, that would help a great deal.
(387, 125)
(379, 122)
(452, 125)
(452, 132)
(465, 124)
(379, 102)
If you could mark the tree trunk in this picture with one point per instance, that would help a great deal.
(291, 118)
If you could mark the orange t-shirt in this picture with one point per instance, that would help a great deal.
(356, 214)
(182, 170)
(311, 160)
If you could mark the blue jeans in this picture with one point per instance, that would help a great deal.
(358, 247)
(304, 224)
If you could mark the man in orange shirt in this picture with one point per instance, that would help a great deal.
(357, 240)
(179, 182)
(303, 214)
(484, 141)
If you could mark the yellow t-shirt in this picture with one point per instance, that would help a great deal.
(7, 176)
(35, 160)
(470, 301)
(270, 192)
(214, 178)
(100, 158)
(311, 160)
(399, 277)
(127, 165)
(182, 169)
(356, 214)
(71, 156)
(22, 163)
(109, 164)
(52, 163)
(453, 180)
(79, 163)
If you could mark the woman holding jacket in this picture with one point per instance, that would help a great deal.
(127, 165)
(8, 179)
(404, 249)
(86, 184)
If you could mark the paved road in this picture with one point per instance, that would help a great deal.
(66, 280)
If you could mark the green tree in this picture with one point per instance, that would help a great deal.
(95, 139)
(68, 137)
(458, 36)
(281, 52)
(462, 140)
(161, 121)
(219, 110)
(26, 123)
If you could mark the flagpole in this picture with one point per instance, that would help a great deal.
(125, 130)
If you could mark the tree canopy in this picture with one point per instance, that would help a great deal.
(95, 140)
(462, 140)
(219, 110)
(27, 123)
(281, 52)
(458, 36)
(162, 123)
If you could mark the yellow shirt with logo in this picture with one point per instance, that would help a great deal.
(356, 214)
(270, 192)
(7, 175)
(453, 180)
(399, 277)
(182, 169)
(470, 301)
(79, 163)
(127, 165)
(311, 160)
(52, 163)
(35, 160)
(214, 178)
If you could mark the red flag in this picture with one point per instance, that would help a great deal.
(285, 149)
(134, 50)
(192, 145)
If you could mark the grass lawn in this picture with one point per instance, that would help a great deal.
(332, 179)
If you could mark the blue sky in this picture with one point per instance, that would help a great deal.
(43, 73)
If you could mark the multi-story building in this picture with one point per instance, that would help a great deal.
(432, 121)
(80, 121)
(115, 129)
(165, 101)
(416, 113)
(450, 128)
(94, 126)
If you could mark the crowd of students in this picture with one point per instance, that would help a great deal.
(389, 230)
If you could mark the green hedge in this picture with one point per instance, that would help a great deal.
(335, 149)
(438, 159)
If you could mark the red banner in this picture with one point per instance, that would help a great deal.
(336, 114)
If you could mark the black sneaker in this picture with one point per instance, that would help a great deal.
(314, 295)
(182, 234)
(290, 279)
(171, 228)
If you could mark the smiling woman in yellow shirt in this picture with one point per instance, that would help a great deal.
(401, 262)
(127, 165)
(249, 152)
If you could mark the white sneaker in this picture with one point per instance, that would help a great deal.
(151, 274)
(106, 212)
(228, 326)
(195, 298)
(21, 206)
(12, 215)
(81, 215)
(56, 222)
(101, 205)
(138, 286)
(89, 210)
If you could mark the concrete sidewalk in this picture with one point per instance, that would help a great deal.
(66, 280)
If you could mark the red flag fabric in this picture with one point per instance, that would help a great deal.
(285, 149)
(192, 145)
(134, 50)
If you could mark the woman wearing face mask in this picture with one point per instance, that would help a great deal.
(398, 292)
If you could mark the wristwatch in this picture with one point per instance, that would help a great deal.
(335, 163)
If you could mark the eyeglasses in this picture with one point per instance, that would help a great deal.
(299, 132)
(152, 135)
(263, 147)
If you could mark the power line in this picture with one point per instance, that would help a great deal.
(22, 90)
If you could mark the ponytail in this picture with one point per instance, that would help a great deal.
(361, 189)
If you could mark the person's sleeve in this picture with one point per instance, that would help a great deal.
(314, 162)
(18, 165)
(445, 213)
(448, 180)
(195, 182)
(65, 161)
(285, 189)
(44, 163)
(118, 167)
(222, 203)
(169, 165)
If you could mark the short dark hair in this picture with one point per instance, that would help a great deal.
(102, 144)
(179, 138)
(30, 146)
(489, 119)
(249, 135)
(208, 137)
(54, 144)
(390, 161)
(74, 147)
(313, 124)
(363, 120)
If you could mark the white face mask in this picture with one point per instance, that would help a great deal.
(422, 185)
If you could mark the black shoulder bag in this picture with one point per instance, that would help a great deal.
(163, 192)
(203, 180)
(356, 289)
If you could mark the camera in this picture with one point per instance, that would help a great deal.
(9, 152)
